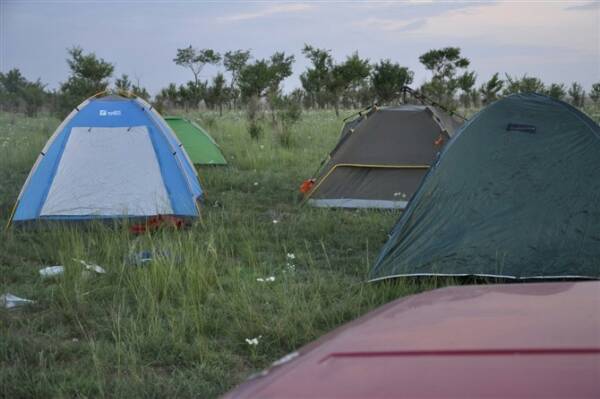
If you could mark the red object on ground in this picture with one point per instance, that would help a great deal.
(307, 185)
(494, 341)
(157, 222)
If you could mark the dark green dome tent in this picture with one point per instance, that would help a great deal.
(515, 194)
(199, 145)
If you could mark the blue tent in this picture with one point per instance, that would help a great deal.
(112, 157)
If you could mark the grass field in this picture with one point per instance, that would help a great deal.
(178, 327)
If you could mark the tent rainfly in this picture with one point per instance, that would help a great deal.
(112, 157)
(381, 157)
(516, 194)
(200, 146)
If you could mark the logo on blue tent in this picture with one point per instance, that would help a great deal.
(104, 112)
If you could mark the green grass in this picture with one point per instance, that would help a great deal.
(177, 327)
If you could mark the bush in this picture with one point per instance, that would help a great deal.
(253, 115)
(288, 113)
(255, 130)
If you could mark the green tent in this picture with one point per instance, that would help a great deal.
(201, 148)
(515, 194)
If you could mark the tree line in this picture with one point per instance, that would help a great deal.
(254, 84)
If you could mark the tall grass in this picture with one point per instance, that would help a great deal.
(177, 327)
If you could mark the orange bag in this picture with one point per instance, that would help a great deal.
(307, 185)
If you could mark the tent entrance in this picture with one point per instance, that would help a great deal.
(106, 172)
(367, 186)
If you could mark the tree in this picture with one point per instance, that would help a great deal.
(288, 113)
(280, 69)
(595, 93)
(33, 95)
(254, 79)
(466, 83)
(315, 79)
(577, 94)
(345, 76)
(123, 83)
(365, 94)
(17, 93)
(490, 89)
(140, 92)
(11, 85)
(557, 91)
(234, 62)
(475, 98)
(167, 98)
(89, 75)
(195, 60)
(217, 92)
(388, 78)
(261, 78)
(525, 84)
(444, 64)
(189, 94)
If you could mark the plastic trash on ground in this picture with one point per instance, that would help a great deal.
(10, 301)
(52, 271)
(91, 266)
(144, 257)
(140, 258)
(55, 271)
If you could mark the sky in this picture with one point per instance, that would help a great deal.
(557, 41)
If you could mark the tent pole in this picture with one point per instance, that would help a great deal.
(424, 99)
(12, 215)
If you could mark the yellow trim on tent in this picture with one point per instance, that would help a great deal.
(360, 165)
(200, 213)
(126, 93)
(97, 94)
(202, 183)
(12, 214)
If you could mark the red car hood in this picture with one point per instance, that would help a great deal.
(500, 341)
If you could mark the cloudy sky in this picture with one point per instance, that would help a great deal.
(558, 41)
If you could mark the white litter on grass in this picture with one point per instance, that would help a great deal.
(91, 266)
(10, 301)
(290, 267)
(275, 221)
(253, 341)
(52, 271)
(256, 183)
(266, 279)
(55, 271)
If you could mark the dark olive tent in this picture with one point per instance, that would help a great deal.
(199, 145)
(381, 157)
(515, 194)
